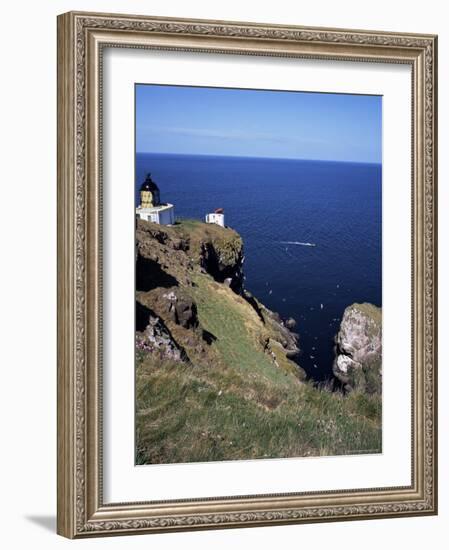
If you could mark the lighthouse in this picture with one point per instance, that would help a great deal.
(150, 208)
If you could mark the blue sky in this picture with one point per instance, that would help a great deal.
(258, 123)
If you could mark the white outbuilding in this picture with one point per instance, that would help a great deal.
(216, 217)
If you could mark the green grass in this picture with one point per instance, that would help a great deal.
(185, 417)
(239, 333)
(370, 310)
(242, 406)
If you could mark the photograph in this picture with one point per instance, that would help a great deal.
(258, 274)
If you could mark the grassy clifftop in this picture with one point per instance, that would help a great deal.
(215, 375)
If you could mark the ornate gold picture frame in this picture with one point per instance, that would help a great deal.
(82, 40)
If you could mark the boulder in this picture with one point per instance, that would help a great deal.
(155, 338)
(290, 323)
(358, 349)
(180, 308)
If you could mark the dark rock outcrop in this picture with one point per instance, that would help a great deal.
(181, 308)
(161, 259)
(152, 335)
(254, 304)
(286, 337)
(149, 275)
(358, 349)
(224, 261)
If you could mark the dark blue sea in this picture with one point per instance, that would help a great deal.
(280, 207)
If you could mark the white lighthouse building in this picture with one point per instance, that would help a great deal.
(150, 208)
(217, 216)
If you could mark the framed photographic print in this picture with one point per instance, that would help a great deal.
(246, 274)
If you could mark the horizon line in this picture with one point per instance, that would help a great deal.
(379, 163)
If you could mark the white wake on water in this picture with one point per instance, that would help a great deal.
(297, 243)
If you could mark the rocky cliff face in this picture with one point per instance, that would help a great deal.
(154, 337)
(358, 349)
(216, 371)
(184, 271)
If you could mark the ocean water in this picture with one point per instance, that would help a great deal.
(281, 208)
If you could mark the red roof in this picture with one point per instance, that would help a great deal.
(219, 211)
